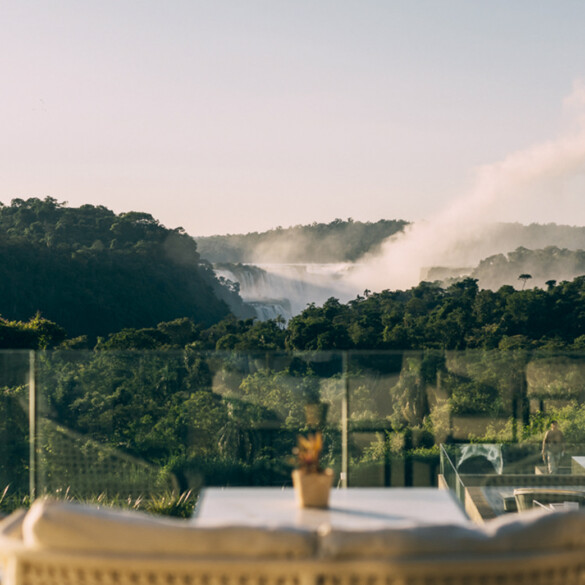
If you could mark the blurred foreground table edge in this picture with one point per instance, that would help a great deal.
(349, 509)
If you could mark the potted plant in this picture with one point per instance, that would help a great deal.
(311, 482)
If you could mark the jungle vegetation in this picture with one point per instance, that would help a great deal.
(220, 400)
(95, 272)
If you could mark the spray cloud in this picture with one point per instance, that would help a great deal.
(453, 237)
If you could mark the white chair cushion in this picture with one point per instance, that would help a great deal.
(11, 526)
(403, 541)
(68, 526)
(538, 531)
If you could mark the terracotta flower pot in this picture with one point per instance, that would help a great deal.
(312, 489)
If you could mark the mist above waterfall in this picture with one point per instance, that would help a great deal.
(482, 234)
(545, 175)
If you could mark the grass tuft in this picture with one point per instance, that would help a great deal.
(164, 504)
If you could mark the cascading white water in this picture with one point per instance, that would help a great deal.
(286, 289)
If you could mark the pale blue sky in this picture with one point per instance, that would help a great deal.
(230, 116)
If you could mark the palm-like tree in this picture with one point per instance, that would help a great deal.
(524, 278)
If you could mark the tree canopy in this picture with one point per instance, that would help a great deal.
(95, 272)
(460, 316)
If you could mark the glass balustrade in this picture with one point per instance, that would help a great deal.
(99, 424)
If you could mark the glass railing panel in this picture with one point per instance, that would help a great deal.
(269, 399)
(15, 375)
(100, 429)
(450, 478)
(489, 477)
(140, 422)
(399, 415)
(179, 419)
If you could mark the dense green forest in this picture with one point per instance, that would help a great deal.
(460, 316)
(206, 397)
(428, 316)
(95, 272)
(223, 404)
(337, 241)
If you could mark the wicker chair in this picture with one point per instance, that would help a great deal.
(67, 544)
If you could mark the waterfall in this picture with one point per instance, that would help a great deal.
(286, 289)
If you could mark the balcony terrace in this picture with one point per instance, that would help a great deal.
(123, 428)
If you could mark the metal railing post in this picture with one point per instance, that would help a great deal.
(32, 424)
(344, 478)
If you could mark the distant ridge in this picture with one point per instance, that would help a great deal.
(337, 241)
(349, 240)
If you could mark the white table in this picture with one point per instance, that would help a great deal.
(352, 508)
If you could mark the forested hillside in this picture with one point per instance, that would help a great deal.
(458, 317)
(231, 416)
(338, 241)
(136, 284)
(545, 266)
(94, 272)
(348, 240)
